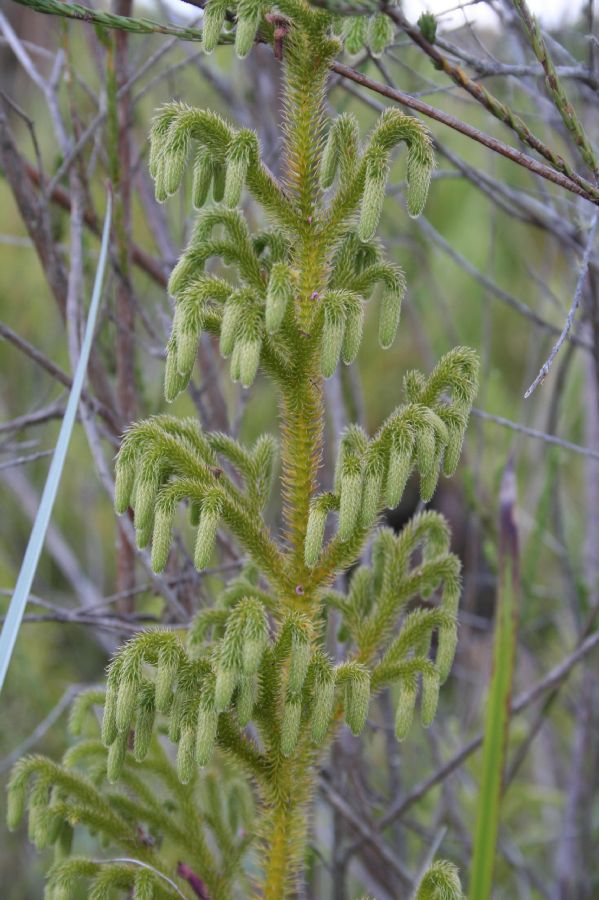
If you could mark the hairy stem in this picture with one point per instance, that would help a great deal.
(286, 823)
(302, 413)
(278, 860)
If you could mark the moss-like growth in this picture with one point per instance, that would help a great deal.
(257, 657)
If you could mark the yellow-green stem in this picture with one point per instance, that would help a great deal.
(279, 857)
(286, 818)
(301, 452)
(302, 414)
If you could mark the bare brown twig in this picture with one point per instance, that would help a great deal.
(585, 190)
(522, 701)
(491, 103)
(582, 277)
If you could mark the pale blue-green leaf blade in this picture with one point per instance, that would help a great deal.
(16, 609)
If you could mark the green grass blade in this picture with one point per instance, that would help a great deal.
(498, 705)
(16, 609)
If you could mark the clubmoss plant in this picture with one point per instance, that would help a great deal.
(253, 682)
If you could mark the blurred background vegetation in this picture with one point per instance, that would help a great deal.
(493, 264)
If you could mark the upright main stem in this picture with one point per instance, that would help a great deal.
(287, 821)
(302, 409)
(302, 415)
(286, 807)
